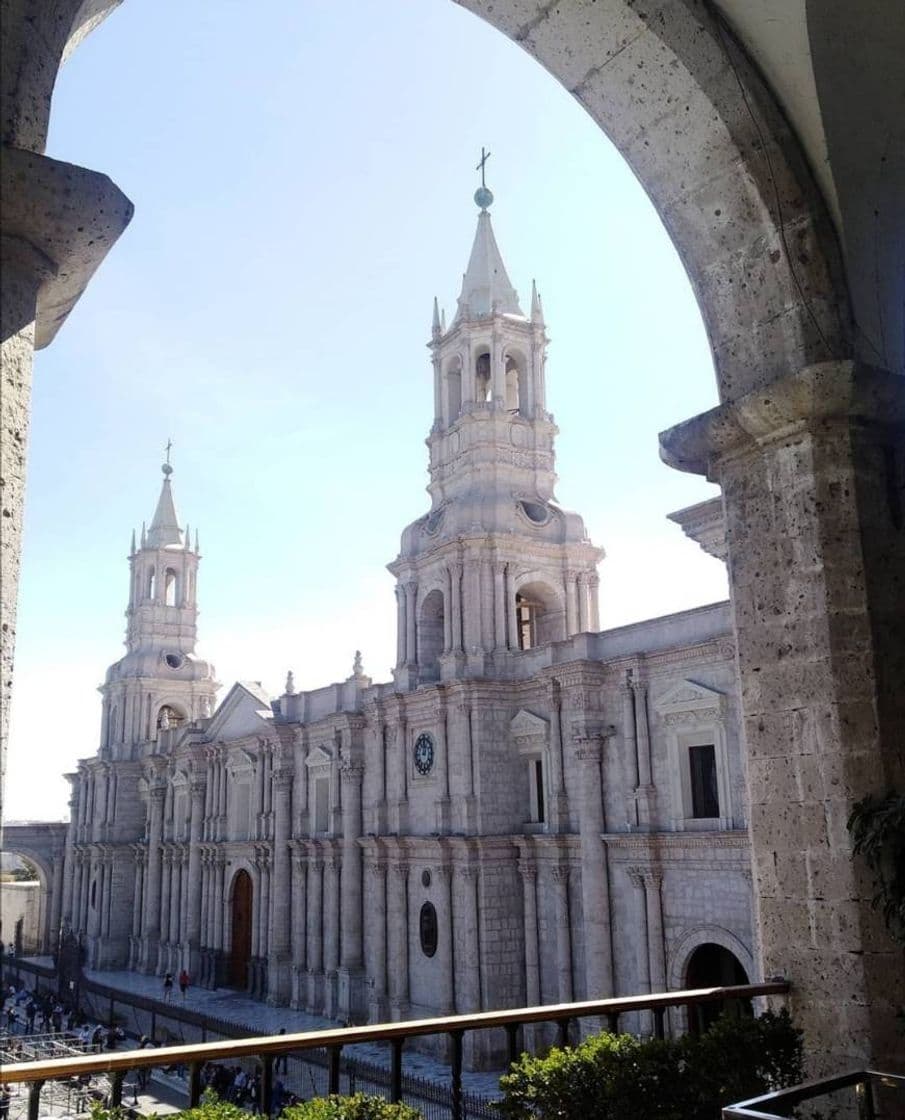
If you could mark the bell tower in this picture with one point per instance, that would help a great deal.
(160, 682)
(495, 567)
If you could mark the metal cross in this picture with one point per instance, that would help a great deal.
(169, 448)
(485, 156)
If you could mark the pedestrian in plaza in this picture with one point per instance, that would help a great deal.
(11, 1018)
(57, 1017)
(168, 987)
(184, 981)
(31, 1011)
(282, 1062)
(277, 1097)
(4, 1102)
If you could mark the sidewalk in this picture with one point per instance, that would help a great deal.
(262, 1019)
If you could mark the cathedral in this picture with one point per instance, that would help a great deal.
(531, 811)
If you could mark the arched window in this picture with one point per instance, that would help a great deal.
(539, 617)
(149, 583)
(513, 386)
(483, 387)
(170, 584)
(431, 621)
(453, 390)
(168, 717)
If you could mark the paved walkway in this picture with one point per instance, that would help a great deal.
(259, 1018)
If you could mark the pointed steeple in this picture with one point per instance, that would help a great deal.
(435, 324)
(537, 308)
(132, 546)
(164, 529)
(486, 287)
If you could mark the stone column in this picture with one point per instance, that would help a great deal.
(278, 968)
(471, 617)
(442, 807)
(584, 614)
(175, 897)
(528, 871)
(51, 934)
(642, 945)
(499, 604)
(811, 473)
(559, 803)
(445, 991)
(594, 591)
(401, 772)
(400, 626)
(332, 865)
(653, 880)
(411, 646)
(595, 893)
(447, 614)
(645, 792)
(455, 571)
(465, 922)
(151, 925)
(560, 876)
(299, 928)
(571, 604)
(166, 886)
(377, 939)
(315, 932)
(352, 959)
(399, 940)
(198, 790)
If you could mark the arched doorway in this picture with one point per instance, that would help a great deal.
(712, 966)
(431, 624)
(240, 943)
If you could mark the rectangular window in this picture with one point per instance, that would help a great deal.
(539, 807)
(705, 798)
(321, 804)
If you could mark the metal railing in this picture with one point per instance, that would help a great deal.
(267, 1049)
(779, 1104)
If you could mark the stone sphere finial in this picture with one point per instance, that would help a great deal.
(483, 196)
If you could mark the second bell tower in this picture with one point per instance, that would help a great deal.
(496, 567)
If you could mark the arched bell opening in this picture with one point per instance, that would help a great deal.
(713, 966)
(539, 616)
(431, 622)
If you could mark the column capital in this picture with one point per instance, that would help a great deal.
(560, 873)
(527, 870)
(816, 394)
(401, 868)
(351, 773)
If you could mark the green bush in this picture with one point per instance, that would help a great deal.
(358, 1107)
(618, 1077)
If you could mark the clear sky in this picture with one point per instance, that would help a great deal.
(303, 188)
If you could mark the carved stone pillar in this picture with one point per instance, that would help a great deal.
(445, 991)
(562, 912)
(299, 927)
(377, 939)
(198, 791)
(411, 642)
(645, 793)
(499, 604)
(350, 978)
(332, 867)
(465, 920)
(595, 894)
(315, 932)
(400, 626)
(398, 921)
(811, 470)
(151, 924)
(455, 573)
(278, 967)
(642, 945)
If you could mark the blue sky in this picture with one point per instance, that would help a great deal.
(303, 188)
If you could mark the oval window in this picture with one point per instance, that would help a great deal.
(427, 928)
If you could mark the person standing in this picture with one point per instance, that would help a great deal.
(184, 981)
(168, 987)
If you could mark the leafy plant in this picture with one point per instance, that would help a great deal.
(877, 828)
(359, 1107)
(619, 1077)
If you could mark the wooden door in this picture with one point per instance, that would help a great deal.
(240, 946)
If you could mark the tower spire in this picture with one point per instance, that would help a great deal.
(164, 528)
(486, 287)
(537, 308)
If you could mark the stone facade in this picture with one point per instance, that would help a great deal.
(531, 811)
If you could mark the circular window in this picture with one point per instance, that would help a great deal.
(425, 878)
(427, 929)
(424, 754)
(174, 660)
(536, 512)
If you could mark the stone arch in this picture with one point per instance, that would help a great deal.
(682, 950)
(431, 630)
(676, 94)
(34, 933)
(540, 616)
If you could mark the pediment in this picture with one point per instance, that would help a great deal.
(526, 725)
(317, 756)
(689, 696)
(241, 714)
